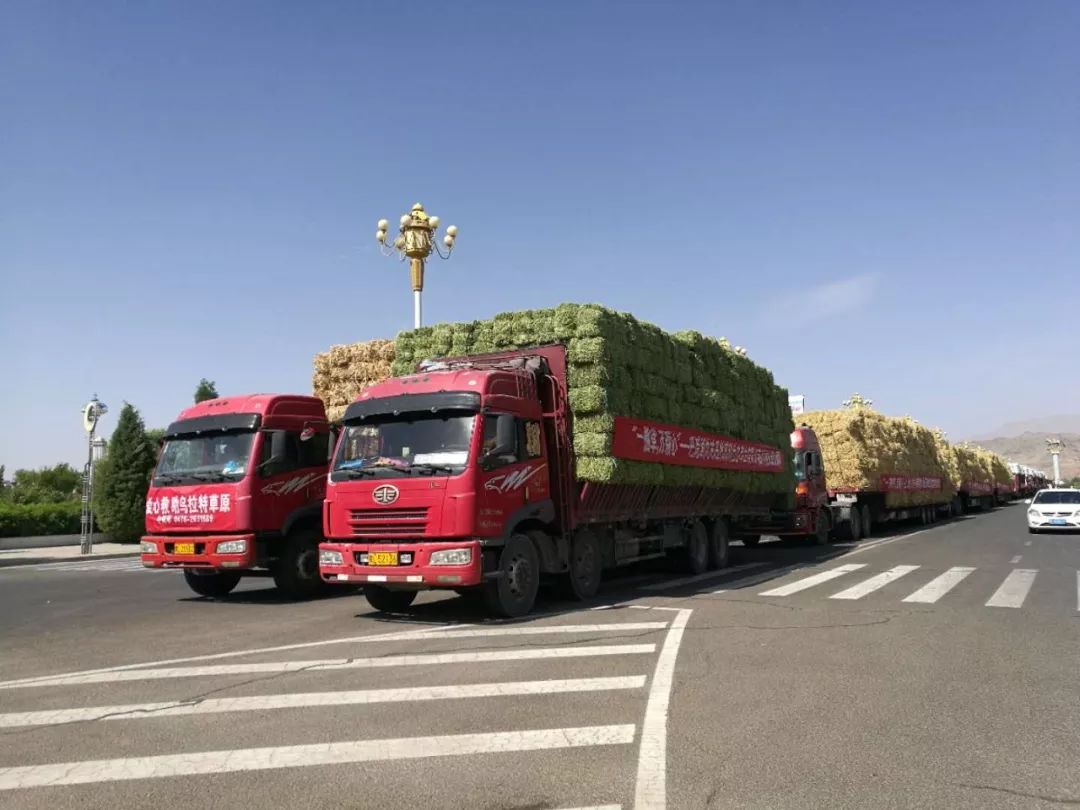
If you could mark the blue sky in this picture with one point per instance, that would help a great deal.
(870, 196)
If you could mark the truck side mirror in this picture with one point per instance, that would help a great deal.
(279, 447)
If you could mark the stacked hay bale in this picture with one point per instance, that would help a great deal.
(999, 469)
(974, 467)
(344, 371)
(620, 366)
(859, 446)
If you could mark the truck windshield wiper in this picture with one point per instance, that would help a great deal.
(167, 478)
(208, 476)
(356, 472)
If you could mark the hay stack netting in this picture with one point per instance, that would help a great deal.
(859, 446)
(344, 371)
(620, 366)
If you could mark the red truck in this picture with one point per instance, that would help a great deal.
(845, 515)
(461, 476)
(238, 491)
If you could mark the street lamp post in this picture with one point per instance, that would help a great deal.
(1054, 447)
(415, 242)
(857, 401)
(92, 411)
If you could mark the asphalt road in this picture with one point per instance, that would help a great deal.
(940, 668)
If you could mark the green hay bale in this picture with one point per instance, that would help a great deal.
(588, 399)
(592, 444)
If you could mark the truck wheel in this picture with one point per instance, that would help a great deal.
(821, 530)
(388, 601)
(694, 558)
(514, 593)
(216, 583)
(296, 570)
(867, 520)
(750, 540)
(718, 544)
(582, 580)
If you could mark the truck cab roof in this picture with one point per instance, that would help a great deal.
(250, 411)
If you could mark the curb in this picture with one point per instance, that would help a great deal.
(61, 560)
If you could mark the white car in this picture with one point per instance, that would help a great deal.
(1054, 509)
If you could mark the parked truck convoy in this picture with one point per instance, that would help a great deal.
(238, 491)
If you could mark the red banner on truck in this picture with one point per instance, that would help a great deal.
(910, 483)
(642, 440)
(978, 488)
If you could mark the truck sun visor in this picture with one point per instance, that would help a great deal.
(442, 401)
(215, 423)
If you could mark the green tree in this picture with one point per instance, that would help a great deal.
(123, 477)
(3, 483)
(205, 391)
(61, 482)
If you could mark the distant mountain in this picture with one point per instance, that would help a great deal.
(1030, 448)
(1061, 423)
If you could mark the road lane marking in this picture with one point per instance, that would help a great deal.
(650, 791)
(811, 581)
(420, 634)
(177, 708)
(1028, 543)
(936, 588)
(675, 583)
(884, 541)
(304, 645)
(302, 756)
(875, 583)
(757, 579)
(1015, 559)
(1014, 589)
(333, 664)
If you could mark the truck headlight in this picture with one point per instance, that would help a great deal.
(147, 547)
(451, 556)
(232, 547)
(328, 557)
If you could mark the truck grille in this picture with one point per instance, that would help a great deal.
(388, 522)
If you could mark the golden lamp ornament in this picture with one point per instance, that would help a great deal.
(416, 241)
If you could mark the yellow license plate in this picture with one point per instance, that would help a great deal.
(382, 558)
(184, 548)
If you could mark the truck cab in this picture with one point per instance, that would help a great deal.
(433, 475)
(238, 491)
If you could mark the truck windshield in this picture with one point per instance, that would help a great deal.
(435, 442)
(800, 466)
(216, 457)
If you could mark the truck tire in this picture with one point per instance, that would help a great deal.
(821, 530)
(586, 566)
(513, 594)
(750, 540)
(296, 570)
(212, 583)
(867, 520)
(388, 601)
(694, 555)
(850, 530)
(718, 544)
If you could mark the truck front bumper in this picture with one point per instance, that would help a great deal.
(414, 569)
(225, 552)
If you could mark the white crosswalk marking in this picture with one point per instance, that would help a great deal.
(1014, 590)
(814, 579)
(675, 583)
(936, 588)
(322, 665)
(336, 753)
(874, 583)
(302, 700)
(341, 685)
(77, 565)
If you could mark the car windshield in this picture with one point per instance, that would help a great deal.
(437, 441)
(219, 456)
(1070, 497)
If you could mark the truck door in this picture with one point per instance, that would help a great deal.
(513, 469)
(289, 483)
